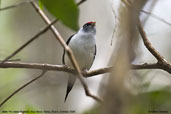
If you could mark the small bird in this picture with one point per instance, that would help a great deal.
(83, 46)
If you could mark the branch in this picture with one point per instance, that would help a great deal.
(80, 2)
(23, 86)
(133, 67)
(50, 67)
(68, 50)
(165, 65)
(36, 36)
(157, 17)
(127, 4)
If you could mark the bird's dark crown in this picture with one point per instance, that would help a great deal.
(89, 27)
(89, 23)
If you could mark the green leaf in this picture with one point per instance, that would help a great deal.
(40, 4)
(65, 10)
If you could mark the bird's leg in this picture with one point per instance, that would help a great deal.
(84, 71)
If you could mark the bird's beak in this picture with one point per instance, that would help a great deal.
(94, 23)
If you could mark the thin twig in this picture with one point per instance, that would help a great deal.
(156, 17)
(15, 5)
(68, 50)
(28, 42)
(20, 88)
(127, 4)
(80, 2)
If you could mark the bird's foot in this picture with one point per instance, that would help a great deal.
(84, 71)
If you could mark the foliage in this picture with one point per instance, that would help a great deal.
(151, 102)
(93, 110)
(145, 103)
(65, 10)
(19, 104)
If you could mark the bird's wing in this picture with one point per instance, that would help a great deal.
(72, 78)
(95, 52)
(63, 57)
(95, 49)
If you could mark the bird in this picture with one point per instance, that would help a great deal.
(83, 46)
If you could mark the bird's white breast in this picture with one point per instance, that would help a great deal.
(83, 48)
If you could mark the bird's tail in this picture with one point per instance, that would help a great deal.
(71, 81)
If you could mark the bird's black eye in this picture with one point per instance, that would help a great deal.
(87, 24)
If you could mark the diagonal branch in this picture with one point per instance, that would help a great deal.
(80, 2)
(45, 18)
(68, 50)
(156, 17)
(22, 87)
(147, 43)
(128, 5)
(30, 41)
